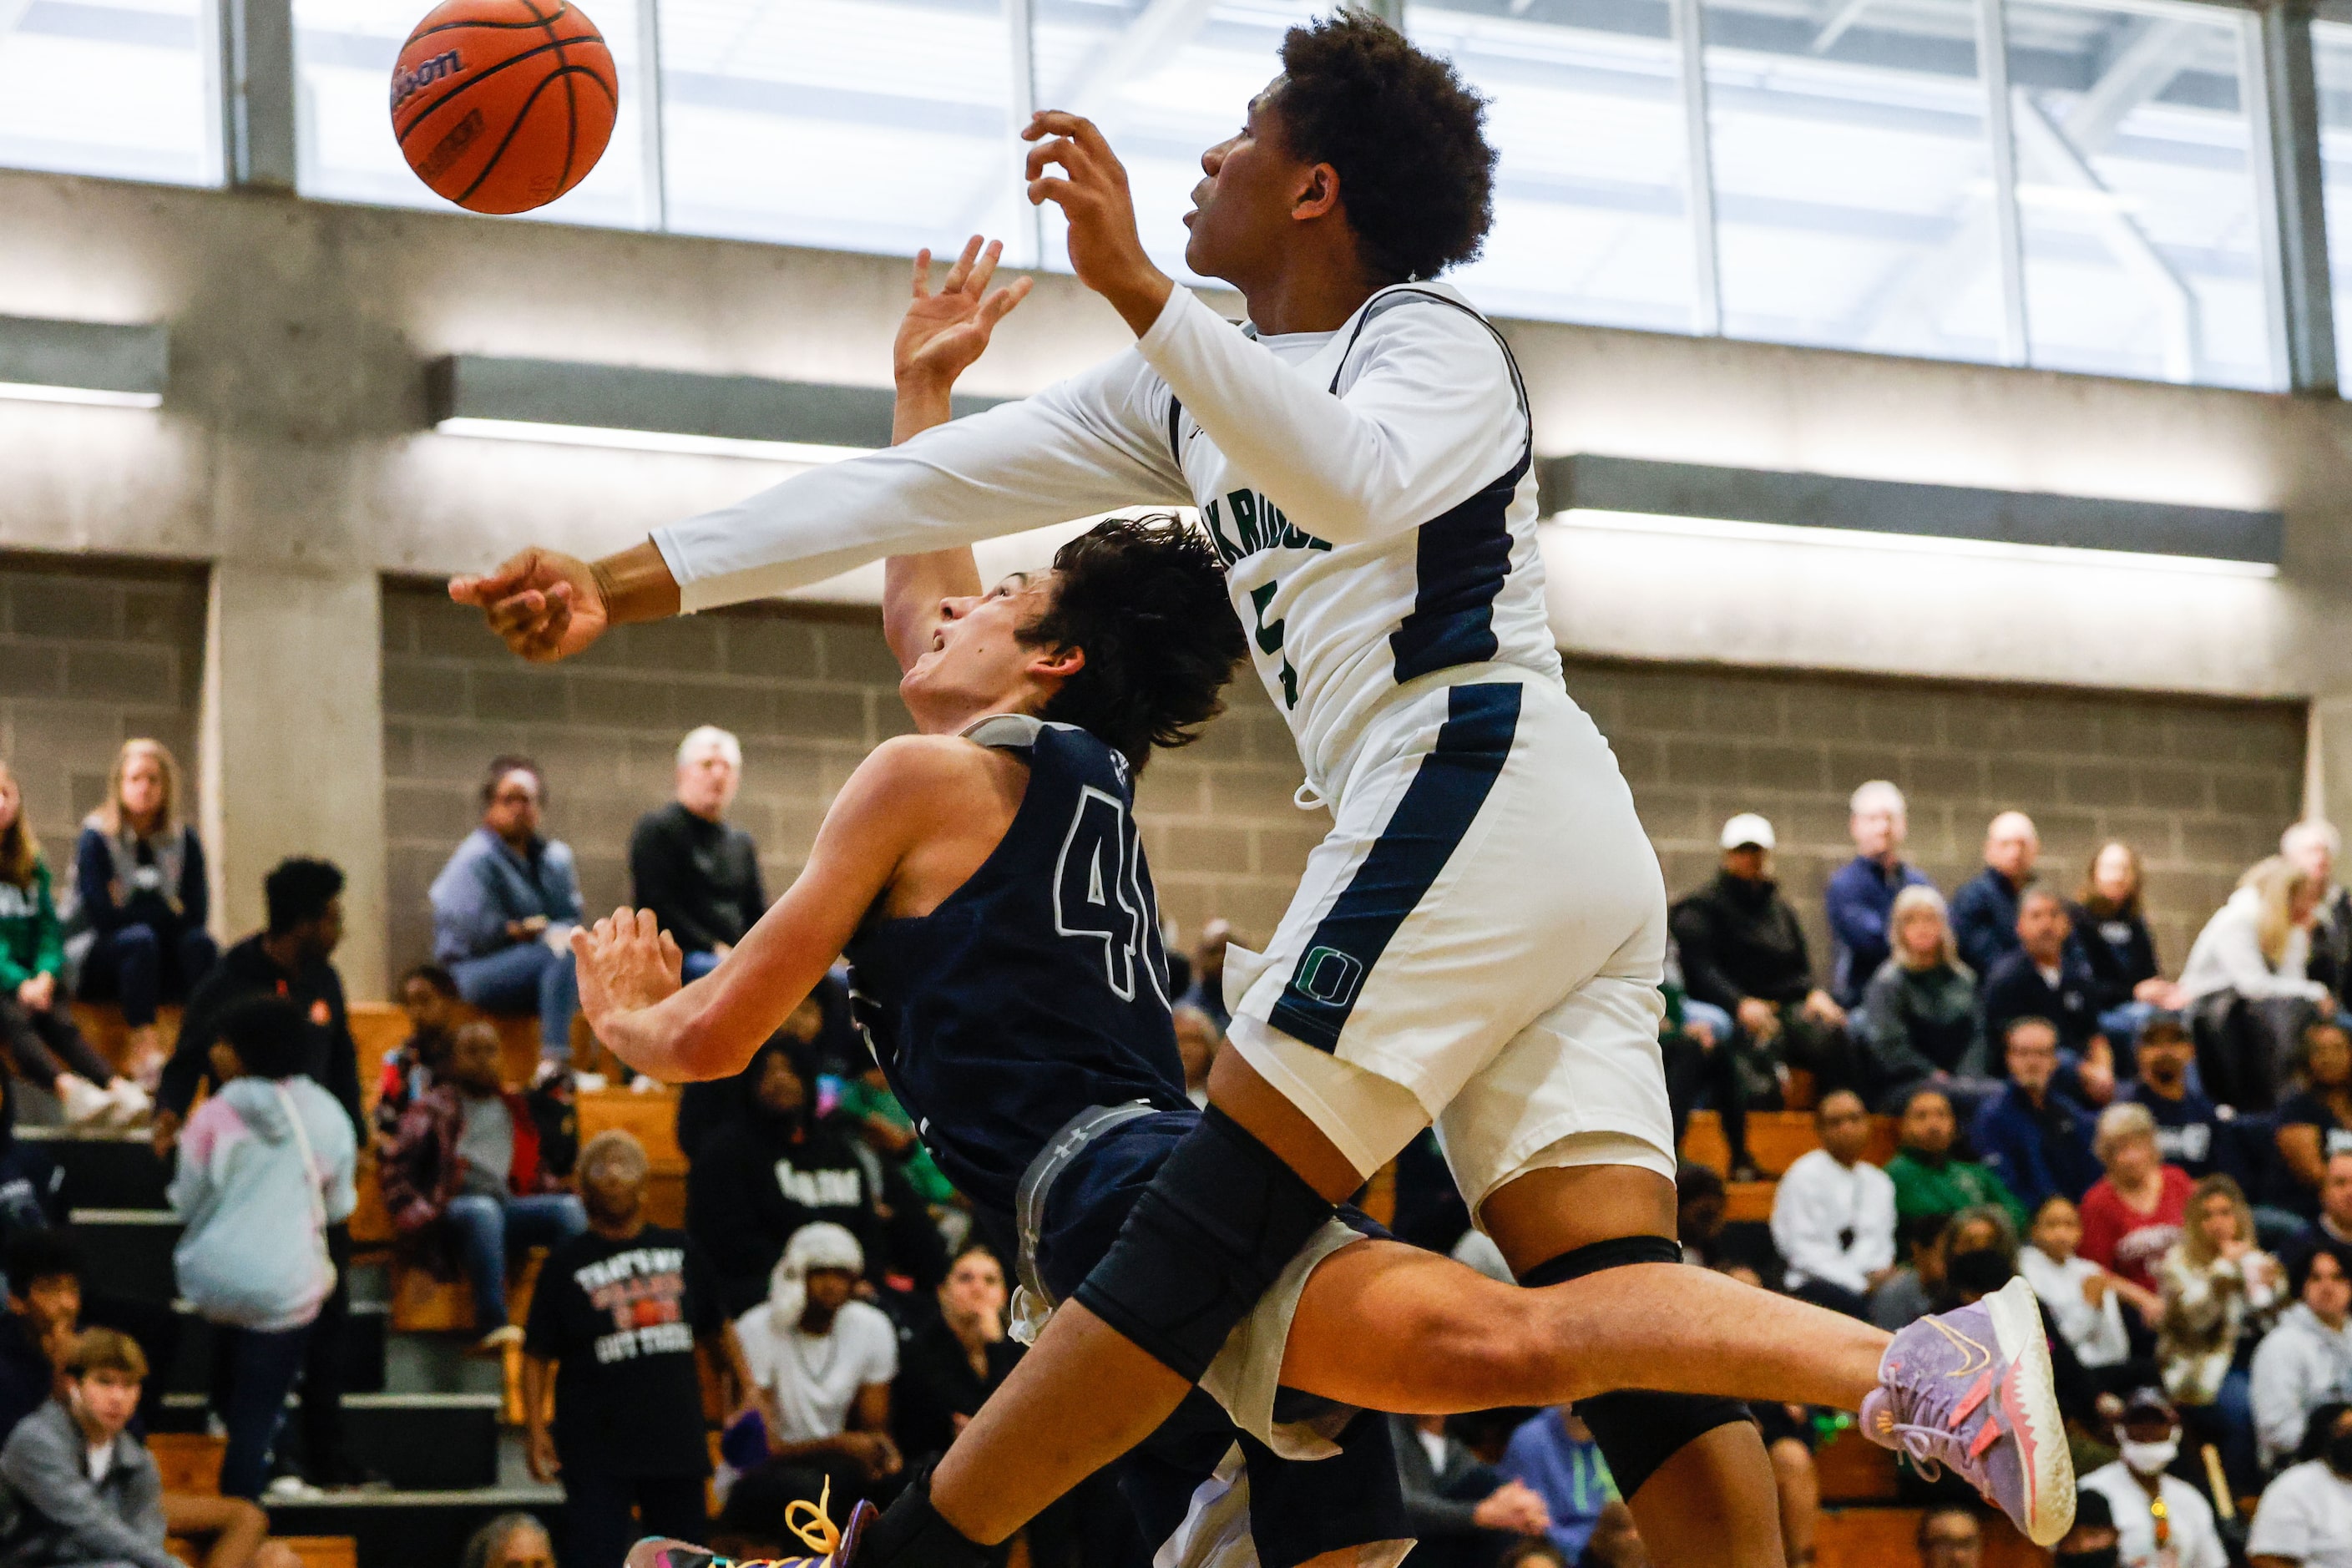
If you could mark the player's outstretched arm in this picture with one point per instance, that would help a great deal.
(939, 338)
(628, 967)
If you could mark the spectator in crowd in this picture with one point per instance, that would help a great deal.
(265, 1167)
(2083, 1301)
(1922, 1022)
(2111, 930)
(1197, 1040)
(2311, 846)
(1743, 951)
(464, 1169)
(818, 1366)
(290, 958)
(1984, 909)
(872, 1112)
(699, 876)
(43, 1316)
(2161, 1522)
(1461, 1513)
(1930, 1181)
(1207, 991)
(2253, 952)
(2132, 1216)
(2031, 1136)
(509, 1541)
(2090, 1540)
(1700, 1205)
(139, 872)
(2188, 1131)
(2305, 1519)
(2045, 977)
(2315, 1123)
(1950, 1537)
(2219, 1290)
(37, 1022)
(620, 1316)
(31, 1181)
(1910, 1293)
(504, 907)
(1540, 1553)
(953, 1363)
(828, 1042)
(429, 996)
(1615, 1540)
(78, 1486)
(778, 1168)
(1862, 893)
(1554, 1456)
(1694, 1044)
(2333, 1228)
(2306, 1359)
(1833, 1215)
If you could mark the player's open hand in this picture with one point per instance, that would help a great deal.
(625, 963)
(546, 605)
(1106, 251)
(942, 332)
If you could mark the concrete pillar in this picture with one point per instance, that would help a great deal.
(291, 745)
(2328, 761)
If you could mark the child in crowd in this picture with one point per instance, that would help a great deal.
(429, 996)
(2084, 1301)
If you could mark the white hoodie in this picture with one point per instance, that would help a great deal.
(2300, 1363)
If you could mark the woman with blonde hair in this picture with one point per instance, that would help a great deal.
(35, 1024)
(140, 871)
(2245, 978)
(1922, 1021)
(2220, 1291)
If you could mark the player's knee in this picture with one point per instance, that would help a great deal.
(1636, 1430)
(1209, 1237)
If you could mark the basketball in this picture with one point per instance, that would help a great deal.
(501, 106)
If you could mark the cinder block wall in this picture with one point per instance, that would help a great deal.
(808, 691)
(89, 659)
(2202, 788)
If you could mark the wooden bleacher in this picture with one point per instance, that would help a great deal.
(1775, 1141)
(190, 1463)
(1886, 1537)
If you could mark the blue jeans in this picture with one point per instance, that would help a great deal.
(145, 968)
(698, 965)
(529, 977)
(487, 1226)
(253, 1371)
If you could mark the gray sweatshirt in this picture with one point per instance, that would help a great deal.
(53, 1514)
(2300, 1365)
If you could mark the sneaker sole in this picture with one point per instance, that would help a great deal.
(2030, 1391)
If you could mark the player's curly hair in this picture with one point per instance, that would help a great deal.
(1144, 598)
(1407, 137)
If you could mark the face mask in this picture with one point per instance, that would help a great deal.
(2150, 1459)
(2105, 1557)
(2339, 1454)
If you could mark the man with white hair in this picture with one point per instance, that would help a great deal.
(699, 876)
(1861, 893)
(1984, 910)
(2311, 846)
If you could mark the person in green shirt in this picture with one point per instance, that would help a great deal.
(1930, 1179)
(37, 1026)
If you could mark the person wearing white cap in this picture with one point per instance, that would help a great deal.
(1743, 950)
(821, 1363)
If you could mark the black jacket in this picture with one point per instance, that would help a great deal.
(700, 878)
(2119, 950)
(2015, 989)
(247, 970)
(762, 1177)
(936, 1385)
(1740, 939)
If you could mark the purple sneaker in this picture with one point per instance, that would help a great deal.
(831, 1548)
(1972, 1389)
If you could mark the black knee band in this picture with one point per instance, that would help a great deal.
(1637, 1431)
(911, 1535)
(1217, 1225)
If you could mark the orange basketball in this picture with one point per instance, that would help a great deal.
(503, 105)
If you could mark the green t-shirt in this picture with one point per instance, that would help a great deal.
(1921, 1188)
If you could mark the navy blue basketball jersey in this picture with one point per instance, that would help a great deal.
(1037, 989)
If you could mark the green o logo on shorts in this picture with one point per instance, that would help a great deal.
(1328, 976)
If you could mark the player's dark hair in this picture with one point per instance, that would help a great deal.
(297, 892)
(1406, 135)
(1144, 598)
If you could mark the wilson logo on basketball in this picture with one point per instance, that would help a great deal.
(407, 84)
(452, 146)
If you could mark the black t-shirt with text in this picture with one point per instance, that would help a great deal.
(620, 1319)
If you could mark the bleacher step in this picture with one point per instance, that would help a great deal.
(420, 1442)
(409, 1530)
(104, 1169)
